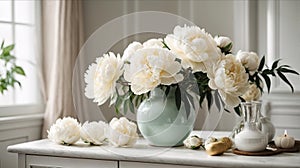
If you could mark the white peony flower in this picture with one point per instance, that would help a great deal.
(135, 46)
(250, 60)
(196, 48)
(108, 71)
(252, 94)
(130, 50)
(122, 132)
(223, 41)
(150, 68)
(153, 43)
(229, 77)
(93, 132)
(193, 142)
(65, 131)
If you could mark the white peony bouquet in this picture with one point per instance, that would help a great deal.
(169, 62)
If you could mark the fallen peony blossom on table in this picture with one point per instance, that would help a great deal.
(122, 132)
(93, 132)
(65, 131)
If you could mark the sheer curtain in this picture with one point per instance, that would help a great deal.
(62, 33)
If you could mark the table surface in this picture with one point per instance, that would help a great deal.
(142, 152)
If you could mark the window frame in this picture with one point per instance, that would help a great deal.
(38, 107)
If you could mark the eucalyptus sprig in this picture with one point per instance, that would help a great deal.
(274, 71)
(8, 68)
(264, 73)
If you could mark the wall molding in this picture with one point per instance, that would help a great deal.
(16, 122)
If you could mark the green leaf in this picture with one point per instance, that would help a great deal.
(165, 45)
(1, 89)
(237, 110)
(167, 91)
(267, 81)
(285, 80)
(286, 66)
(268, 72)
(261, 64)
(195, 147)
(138, 100)
(125, 107)
(201, 100)
(19, 70)
(131, 106)
(227, 110)
(18, 82)
(257, 82)
(227, 48)
(118, 104)
(285, 70)
(209, 100)
(178, 97)
(8, 48)
(275, 64)
(117, 110)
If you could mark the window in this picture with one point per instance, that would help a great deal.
(19, 25)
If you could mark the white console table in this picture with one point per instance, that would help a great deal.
(46, 154)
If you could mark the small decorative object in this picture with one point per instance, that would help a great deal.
(8, 68)
(190, 61)
(214, 146)
(122, 132)
(250, 139)
(65, 131)
(93, 132)
(284, 141)
(227, 141)
(210, 140)
(193, 142)
(263, 123)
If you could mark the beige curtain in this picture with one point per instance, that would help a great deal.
(62, 33)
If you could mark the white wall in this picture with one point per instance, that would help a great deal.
(244, 21)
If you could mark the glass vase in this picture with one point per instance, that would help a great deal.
(161, 123)
(264, 124)
(251, 139)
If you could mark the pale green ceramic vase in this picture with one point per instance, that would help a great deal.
(161, 123)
